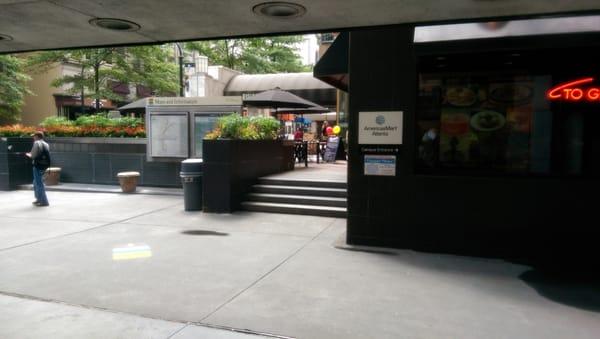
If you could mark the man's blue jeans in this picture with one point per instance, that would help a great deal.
(38, 186)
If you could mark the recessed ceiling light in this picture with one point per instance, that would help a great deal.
(5, 37)
(279, 10)
(115, 24)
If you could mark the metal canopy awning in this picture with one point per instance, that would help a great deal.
(304, 85)
(307, 110)
(136, 105)
(277, 98)
(332, 68)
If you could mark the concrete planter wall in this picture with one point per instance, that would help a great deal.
(88, 160)
(15, 168)
(231, 167)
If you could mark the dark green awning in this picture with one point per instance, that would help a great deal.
(332, 68)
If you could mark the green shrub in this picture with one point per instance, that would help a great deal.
(56, 121)
(232, 126)
(128, 122)
(100, 120)
(235, 126)
(266, 127)
(93, 120)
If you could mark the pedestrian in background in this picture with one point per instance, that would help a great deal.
(324, 130)
(40, 161)
(299, 135)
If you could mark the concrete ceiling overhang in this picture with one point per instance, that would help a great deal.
(54, 24)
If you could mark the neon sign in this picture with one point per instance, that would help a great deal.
(574, 91)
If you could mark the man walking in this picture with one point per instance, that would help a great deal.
(40, 156)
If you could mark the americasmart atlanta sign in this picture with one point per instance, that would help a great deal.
(380, 128)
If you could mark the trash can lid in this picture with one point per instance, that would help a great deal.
(193, 160)
(191, 165)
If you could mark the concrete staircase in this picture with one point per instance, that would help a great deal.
(320, 198)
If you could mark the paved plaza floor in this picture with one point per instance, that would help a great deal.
(105, 265)
(333, 171)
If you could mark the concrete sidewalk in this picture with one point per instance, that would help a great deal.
(96, 265)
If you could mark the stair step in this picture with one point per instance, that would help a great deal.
(323, 211)
(300, 190)
(305, 183)
(298, 199)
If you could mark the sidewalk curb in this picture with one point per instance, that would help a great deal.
(105, 189)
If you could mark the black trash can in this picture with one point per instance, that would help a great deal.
(191, 179)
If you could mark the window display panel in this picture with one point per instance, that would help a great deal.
(509, 112)
(527, 120)
(479, 121)
(203, 124)
(482, 121)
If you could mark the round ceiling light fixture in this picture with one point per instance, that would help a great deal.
(115, 24)
(4, 37)
(279, 10)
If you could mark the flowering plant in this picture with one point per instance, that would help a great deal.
(122, 131)
(16, 130)
(85, 126)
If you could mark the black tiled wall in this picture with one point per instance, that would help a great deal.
(535, 219)
(93, 163)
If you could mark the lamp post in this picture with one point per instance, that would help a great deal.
(180, 69)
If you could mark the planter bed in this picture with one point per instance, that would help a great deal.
(231, 167)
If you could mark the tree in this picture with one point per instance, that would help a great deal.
(13, 88)
(153, 67)
(101, 67)
(253, 55)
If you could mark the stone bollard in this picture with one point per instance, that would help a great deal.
(128, 181)
(52, 176)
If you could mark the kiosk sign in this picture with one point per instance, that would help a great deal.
(195, 101)
(380, 128)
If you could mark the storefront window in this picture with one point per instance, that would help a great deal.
(501, 122)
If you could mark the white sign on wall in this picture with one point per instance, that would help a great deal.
(382, 165)
(169, 135)
(380, 128)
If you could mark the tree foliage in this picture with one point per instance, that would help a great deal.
(13, 88)
(253, 55)
(101, 68)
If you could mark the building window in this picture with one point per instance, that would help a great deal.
(327, 38)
